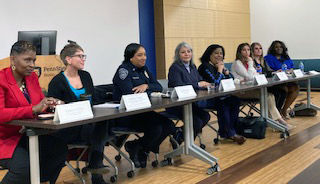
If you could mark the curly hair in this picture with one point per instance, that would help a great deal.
(272, 51)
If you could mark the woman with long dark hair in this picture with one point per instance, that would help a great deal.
(212, 70)
(243, 69)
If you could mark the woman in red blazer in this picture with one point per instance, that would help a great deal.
(21, 98)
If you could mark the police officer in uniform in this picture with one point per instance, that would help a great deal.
(133, 76)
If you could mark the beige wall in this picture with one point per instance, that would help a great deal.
(200, 23)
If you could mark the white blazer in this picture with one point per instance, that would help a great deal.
(240, 72)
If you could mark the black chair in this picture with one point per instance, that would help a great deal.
(78, 151)
(251, 103)
(103, 93)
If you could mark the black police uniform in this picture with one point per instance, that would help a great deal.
(155, 126)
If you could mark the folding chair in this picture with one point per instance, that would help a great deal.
(210, 125)
(251, 103)
(104, 94)
(122, 134)
(80, 152)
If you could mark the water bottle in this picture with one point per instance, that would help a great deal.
(259, 68)
(284, 68)
(301, 66)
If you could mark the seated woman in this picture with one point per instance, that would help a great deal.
(133, 76)
(68, 86)
(243, 69)
(21, 98)
(276, 58)
(184, 72)
(263, 67)
(213, 71)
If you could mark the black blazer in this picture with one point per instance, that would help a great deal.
(59, 87)
(211, 74)
(179, 76)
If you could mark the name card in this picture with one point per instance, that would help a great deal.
(297, 73)
(313, 72)
(183, 92)
(135, 101)
(227, 85)
(260, 79)
(281, 76)
(71, 112)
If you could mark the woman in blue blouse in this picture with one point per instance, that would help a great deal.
(276, 58)
(213, 70)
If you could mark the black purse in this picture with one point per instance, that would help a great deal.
(252, 127)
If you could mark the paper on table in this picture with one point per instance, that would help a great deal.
(313, 72)
(107, 105)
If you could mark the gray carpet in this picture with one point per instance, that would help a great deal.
(310, 175)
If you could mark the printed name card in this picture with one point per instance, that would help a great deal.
(183, 92)
(135, 101)
(281, 76)
(313, 72)
(227, 85)
(297, 73)
(260, 79)
(71, 112)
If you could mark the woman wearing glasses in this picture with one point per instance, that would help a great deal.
(69, 86)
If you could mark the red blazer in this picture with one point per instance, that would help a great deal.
(13, 106)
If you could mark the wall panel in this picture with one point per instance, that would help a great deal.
(201, 23)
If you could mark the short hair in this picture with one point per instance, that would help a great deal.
(69, 50)
(176, 58)
(272, 51)
(131, 50)
(205, 58)
(252, 50)
(240, 47)
(21, 47)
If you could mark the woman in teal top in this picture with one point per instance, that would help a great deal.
(69, 86)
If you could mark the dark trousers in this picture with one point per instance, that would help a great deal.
(227, 111)
(154, 126)
(200, 117)
(53, 153)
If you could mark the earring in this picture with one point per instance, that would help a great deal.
(13, 67)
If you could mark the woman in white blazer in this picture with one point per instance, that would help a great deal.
(243, 69)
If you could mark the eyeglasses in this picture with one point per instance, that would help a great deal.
(81, 56)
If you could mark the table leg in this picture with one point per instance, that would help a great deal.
(308, 105)
(189, 148)
(34, 159)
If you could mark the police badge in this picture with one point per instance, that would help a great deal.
(123, 73)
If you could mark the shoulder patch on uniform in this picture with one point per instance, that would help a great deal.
(123, 73)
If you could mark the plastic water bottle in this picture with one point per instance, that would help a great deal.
(259, 68)
(284, 68)
(301, 66)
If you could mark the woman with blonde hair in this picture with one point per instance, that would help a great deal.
(243, 69)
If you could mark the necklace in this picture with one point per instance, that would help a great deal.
(23, 86)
